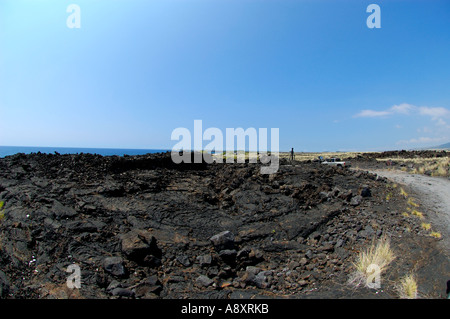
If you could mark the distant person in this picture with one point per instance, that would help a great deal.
(292, 154)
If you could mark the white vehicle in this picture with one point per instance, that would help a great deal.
(335, 162)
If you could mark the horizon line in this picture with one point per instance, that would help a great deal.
(207, 150)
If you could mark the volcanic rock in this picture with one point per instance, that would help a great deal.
(204, 260)
(114, 265)
(140, 246)
(203, 281)
(223, 240)
(115, 216)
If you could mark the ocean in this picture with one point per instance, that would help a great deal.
(11, 150)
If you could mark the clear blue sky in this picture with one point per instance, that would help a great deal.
(136, 70)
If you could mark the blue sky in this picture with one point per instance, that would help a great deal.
(136, 70)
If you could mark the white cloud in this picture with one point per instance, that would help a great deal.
(423, 140)
(425, 129)
(434, 112)
(432, 135)
(403, 108)
(441, 122)
(371, 113)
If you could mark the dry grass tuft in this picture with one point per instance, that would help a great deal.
(415, 212)
(379, 254)
(412, 202)
(435, 234)
(403, 193)
(431, 166)
(407, 287)
(301, 157)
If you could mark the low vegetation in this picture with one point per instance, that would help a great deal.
(388, 197)
(427, 166)
(407, 287)
(412, 202)
(435, 234)
(413, 211)
(403, 193)
(378, 253)
(2, 210)
(303, 157)
(416, 213)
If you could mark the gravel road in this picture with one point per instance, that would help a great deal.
(434, 194)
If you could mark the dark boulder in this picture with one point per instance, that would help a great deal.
(223, 240)
(365, 191)
(203, 281)
(140, 246)
(114, 265)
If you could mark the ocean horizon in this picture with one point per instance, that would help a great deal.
(12, 150)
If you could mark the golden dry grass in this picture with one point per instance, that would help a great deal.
(416, 213)
(435, 234)
(307, 156)
(403, 193)
(407, 287)
(299, 156)
(432, 165)
(378, 253)
(412, 202)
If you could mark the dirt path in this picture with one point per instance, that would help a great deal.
(433, 192)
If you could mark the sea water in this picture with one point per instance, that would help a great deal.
(11, 150)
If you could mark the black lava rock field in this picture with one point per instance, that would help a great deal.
(144, 227)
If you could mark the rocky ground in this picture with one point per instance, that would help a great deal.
(143, 227)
